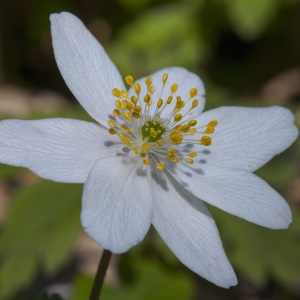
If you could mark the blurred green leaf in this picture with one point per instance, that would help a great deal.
(8, 172)
(134, 5)
(161, 37)
(260, 252)
(281, 169)
(44, 296)
(251, 17)
(41, 226)
(152, 281)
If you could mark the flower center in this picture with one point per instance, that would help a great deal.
(138, 122)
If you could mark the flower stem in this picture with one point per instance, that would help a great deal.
(99, 277)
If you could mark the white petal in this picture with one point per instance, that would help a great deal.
(189, 230)
(246, 138)
(84, 65)
(185, 81)
(56, 149)
(117, 204)
(238, 192)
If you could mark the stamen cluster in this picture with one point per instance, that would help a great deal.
(150, 136)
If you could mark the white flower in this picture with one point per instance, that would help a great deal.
(153, 156)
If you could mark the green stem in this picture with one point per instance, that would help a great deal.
(99, 277)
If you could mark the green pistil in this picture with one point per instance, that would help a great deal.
(156, 126)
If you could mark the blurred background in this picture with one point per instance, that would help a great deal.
(246, 51)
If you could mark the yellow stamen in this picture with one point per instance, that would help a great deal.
(124, 94)
(213, 123)
(116, 92)
(134, 100)
(129, 80)
(174, 88)
(137, 88)
(148, 81)
(136, 115)
(205, 140)
(159, 103)
(135, 150)
(116, 113)
(147, 99)
(189, 161)
(160, 166)
(127, 116)
(195, 103)
(145, 147)
(152, 90)
(209, 130)
(146, 161)
(118, 104)
(125, 140)
(112, 131)
(192, 122)
(165, 78)
(192, 154)
(159, 143)
(112, 123)
(177, 117)
(193, 93)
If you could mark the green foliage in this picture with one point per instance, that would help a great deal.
(151, 281)
(259, 252)
(251, 17)
(50, 297)
(161, 37)
(41, 227)
(8, 172)
(282, 168)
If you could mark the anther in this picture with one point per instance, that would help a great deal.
(148, 81)
(116, 113)
(127, 116)
(192, 122)
(135, 150)
(118, 104)
(165, 78)
(174, 88)
(177, 117)
(112, 131)
(124, 94)
(195, 103)
(145, 147)
(134, 100)
(170, 98)
(137, 88)
(112, 123)
(160, 166)
(146, 162)
(213, 123)
(116, 92)
(193, 93)
(152, 89)
(147, 99)
(171, 151)
(209, 130)
(129, 105)
(129, 80)
(189, 161)
(159, 103)
(192, 154)
(192, 131)
(136, 115)
(205, 140)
